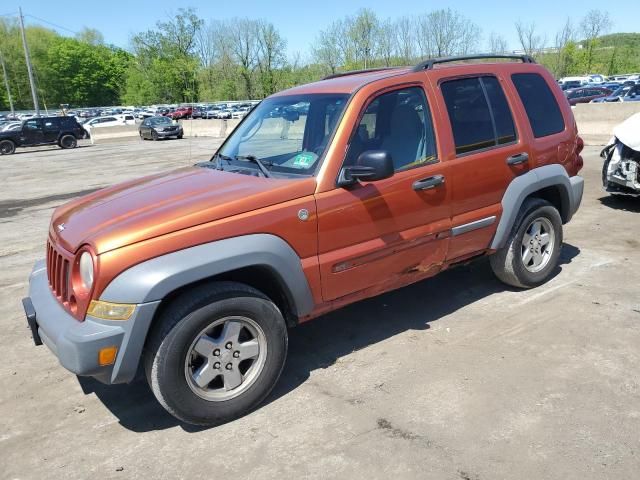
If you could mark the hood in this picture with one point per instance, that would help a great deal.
(159, 204)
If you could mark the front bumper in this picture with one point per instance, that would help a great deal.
(173, 133)
(76, 344)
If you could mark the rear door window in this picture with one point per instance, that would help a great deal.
(479, 114)
(540, 104)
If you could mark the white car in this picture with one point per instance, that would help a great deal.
(109, 121)
(240, 113)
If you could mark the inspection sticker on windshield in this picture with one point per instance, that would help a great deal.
(304, 160)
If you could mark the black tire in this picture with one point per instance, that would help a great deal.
(179, 137)
(7, 147)
(154, 136)
(177, 328)
(68, 141)
(507, 262)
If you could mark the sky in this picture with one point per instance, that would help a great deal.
(299, 21)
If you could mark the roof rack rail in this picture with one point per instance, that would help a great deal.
(428, 64)
(356, 72)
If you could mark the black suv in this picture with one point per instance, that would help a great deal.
(62, 131)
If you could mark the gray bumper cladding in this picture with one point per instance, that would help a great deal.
(76, 344)
(154, 279)
(570, 189)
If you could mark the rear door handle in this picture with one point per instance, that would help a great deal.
(429, 182)
(518, 158)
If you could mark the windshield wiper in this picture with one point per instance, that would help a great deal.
(219, 156)
(257, 161)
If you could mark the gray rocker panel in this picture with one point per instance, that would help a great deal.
(524, 185)
(154, 279)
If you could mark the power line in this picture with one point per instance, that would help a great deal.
(52, 24)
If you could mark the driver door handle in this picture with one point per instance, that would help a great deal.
(518, 158)
(428, 183)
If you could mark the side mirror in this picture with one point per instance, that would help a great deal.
(291, 115)
(371, 166)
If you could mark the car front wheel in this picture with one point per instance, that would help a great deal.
(531, 253)
(216, 353)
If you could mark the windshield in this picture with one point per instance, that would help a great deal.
(287, 134)
(160, 121)
(620, 91)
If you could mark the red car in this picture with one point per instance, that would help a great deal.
(585, 94)
(182, 112)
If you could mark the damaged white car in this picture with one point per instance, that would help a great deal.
(621, 170)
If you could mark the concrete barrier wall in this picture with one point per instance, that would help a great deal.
(597, 120)
(192, 128)
(595, 124)
(208, 128)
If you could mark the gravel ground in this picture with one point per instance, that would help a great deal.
(456, 377)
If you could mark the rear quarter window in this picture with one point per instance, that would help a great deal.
(540, 104)
(479, 113)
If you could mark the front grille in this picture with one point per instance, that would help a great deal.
(58, 272)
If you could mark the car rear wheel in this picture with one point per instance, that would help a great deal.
(216, 353)
(7, 147)
(68, 141)
(531, 253)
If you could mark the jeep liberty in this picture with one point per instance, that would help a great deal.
(325, 194)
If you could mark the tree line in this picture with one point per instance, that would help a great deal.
(188, 59)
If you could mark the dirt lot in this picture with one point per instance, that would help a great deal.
(457, 377)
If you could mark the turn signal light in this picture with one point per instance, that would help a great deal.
(107, 355)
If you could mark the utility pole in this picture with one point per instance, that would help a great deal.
(34, 94)
(6, 84)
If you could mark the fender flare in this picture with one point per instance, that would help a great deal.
(569, 188)
(154, 279)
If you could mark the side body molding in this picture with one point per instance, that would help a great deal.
(570, 189)
(152, 280)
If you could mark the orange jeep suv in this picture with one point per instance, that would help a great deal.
(325, 194)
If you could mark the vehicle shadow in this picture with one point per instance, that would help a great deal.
(323, 341)
(627, 203)
(47, 149)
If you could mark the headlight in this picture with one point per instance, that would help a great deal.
(86, 270)
(110, 311)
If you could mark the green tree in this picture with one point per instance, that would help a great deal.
(165, 67)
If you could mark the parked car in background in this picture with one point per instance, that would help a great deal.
(198, 112)
(108, 121)
(145, 114)
(63, 131)
(240, 112)
(596, 79)
(627, 93)
(181, 112)
(223, 114)
(572, 82)
(211, 113)
(155, 128)
(585, 94)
